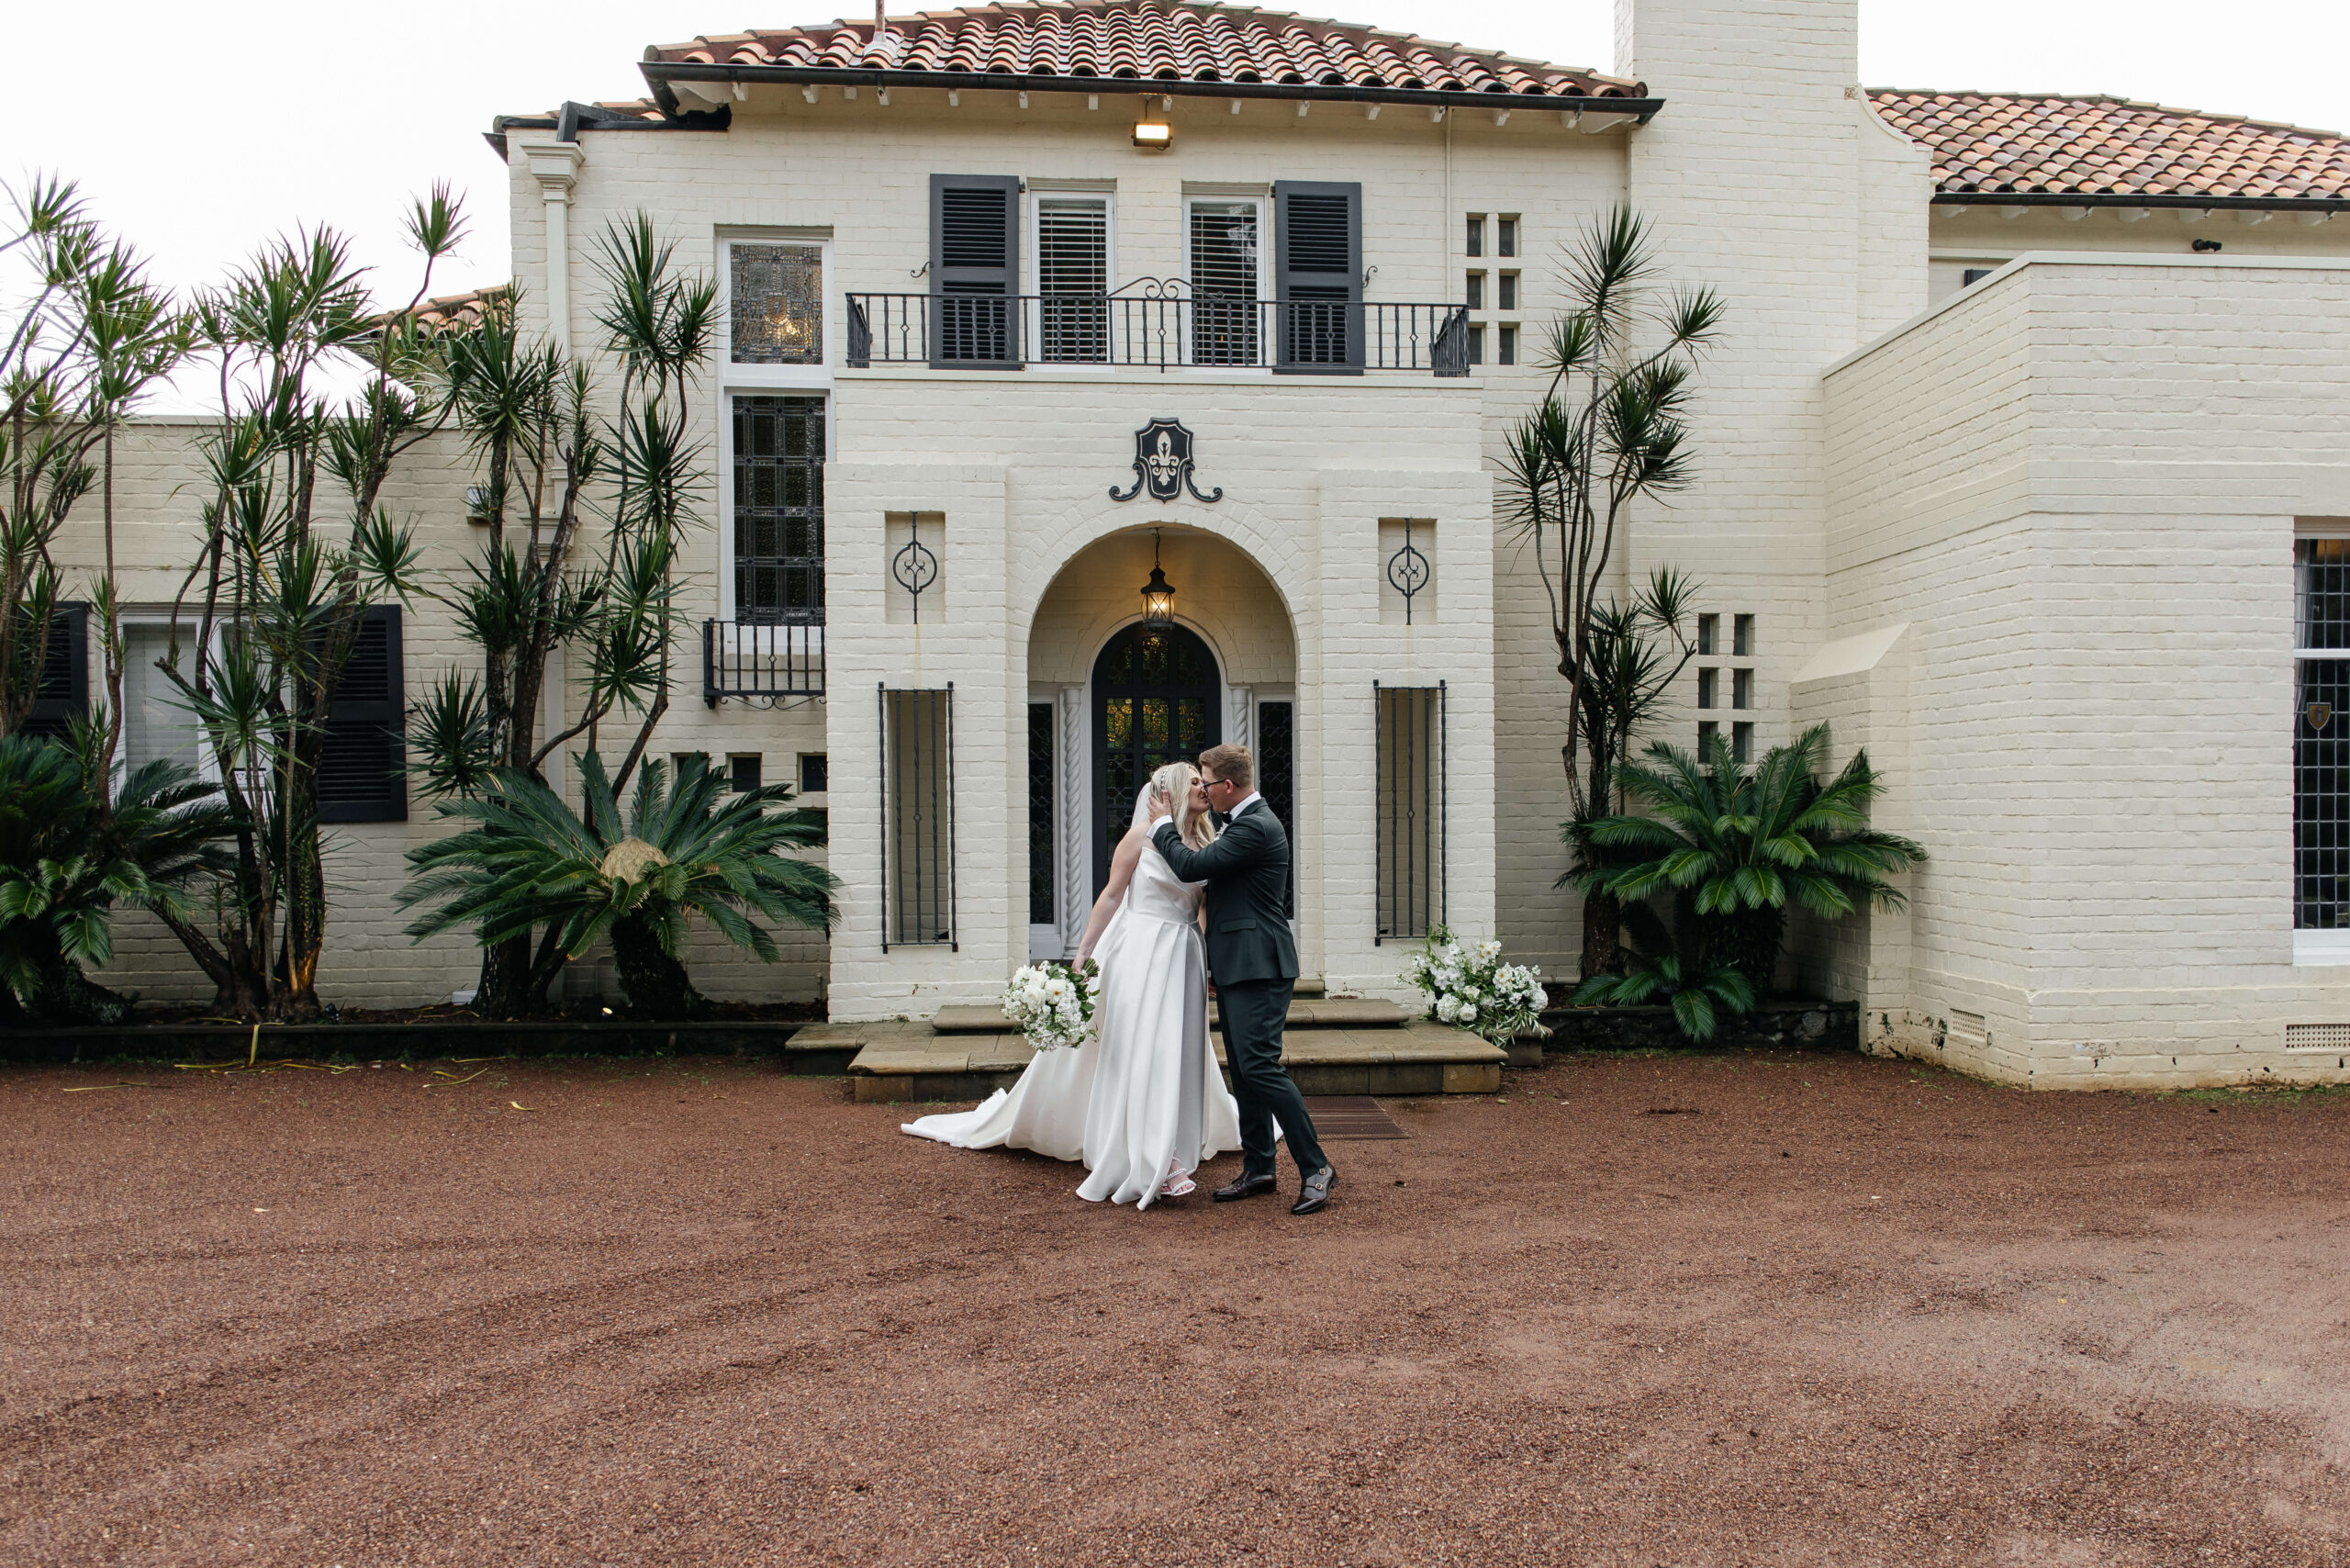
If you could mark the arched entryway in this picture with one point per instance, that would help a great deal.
(1157, 698)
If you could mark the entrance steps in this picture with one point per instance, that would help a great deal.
(1332, 1046)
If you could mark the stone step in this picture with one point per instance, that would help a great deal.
(899, 1061)
(1316, 1012)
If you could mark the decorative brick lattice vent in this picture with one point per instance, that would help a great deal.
(2317, 1036)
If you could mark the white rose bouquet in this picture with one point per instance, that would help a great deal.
(1052, 1003)
(1468, 987)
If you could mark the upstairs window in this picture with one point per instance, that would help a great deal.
(777, 294)
(779, 510)
(1073, 279)
(1476, 293)
(1225, 281)
(1476, 242)
(1505, 232)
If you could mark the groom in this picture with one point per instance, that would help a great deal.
(1253, 960)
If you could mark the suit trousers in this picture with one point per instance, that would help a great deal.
(1252, 1015)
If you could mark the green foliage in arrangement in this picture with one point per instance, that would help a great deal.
(1730, 847)
(528, 862)
(66, 861)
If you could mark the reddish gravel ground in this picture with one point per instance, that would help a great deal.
(1825, 1310)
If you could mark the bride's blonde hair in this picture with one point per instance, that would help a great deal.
(1172, 784)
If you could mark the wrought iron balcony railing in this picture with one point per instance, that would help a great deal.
(761, 659)
(1163, 328)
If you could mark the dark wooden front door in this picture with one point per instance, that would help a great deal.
(1157, 698)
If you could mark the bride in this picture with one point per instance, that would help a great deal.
(1142, 1103)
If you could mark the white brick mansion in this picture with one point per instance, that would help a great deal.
(2024, 413)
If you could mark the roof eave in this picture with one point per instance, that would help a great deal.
(2129, 199)
(659, 74)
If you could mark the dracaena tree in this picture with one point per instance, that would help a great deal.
(295, 546)
(586, 509)
(1609, 434)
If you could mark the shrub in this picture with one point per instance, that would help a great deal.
(530, 861)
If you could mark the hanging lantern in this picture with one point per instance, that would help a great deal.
(1158, 594)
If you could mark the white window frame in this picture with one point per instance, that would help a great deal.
(1264, 205)
(2314, 948)
(207, 766)
(1032, 264)
(755, 380)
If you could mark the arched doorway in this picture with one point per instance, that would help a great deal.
(1157, 698)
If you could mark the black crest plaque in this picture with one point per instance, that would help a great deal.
(1163, 464)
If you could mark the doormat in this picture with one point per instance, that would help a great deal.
(1351, 1116)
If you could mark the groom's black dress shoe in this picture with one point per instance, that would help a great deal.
(1315, 1196)
(1246, 1186)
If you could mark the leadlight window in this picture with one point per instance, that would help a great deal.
(1040, 814)
(778, 293)
(2322, 735)
(779, 510)
(1073, 279)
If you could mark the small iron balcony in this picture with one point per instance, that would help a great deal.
(1164, 328)
(761, 659)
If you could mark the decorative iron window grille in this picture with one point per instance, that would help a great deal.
(918, 817)
(779, 510)
(777, 296)
(761, 664)
(1410, 828)
(916, 565)
(1277, 778)
(1407, 571)
(2322, 735)
(1041, 789)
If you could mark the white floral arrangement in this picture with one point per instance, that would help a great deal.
(1052, 1003)
(1468, 987)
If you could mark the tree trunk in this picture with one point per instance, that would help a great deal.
(67, 996)
(1603, 935)
(504, 988)
(657, 983)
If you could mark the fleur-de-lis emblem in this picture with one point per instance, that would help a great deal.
(1163, 464)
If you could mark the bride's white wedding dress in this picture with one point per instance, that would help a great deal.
(1144, 1098)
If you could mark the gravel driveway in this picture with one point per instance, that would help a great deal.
(1684, 1310)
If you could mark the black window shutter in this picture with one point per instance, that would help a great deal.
(63, 694)
(362, 769)
(1318, 225)
(974, 271)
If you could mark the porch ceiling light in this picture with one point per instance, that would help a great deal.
(1158, 594)
(1154, 135)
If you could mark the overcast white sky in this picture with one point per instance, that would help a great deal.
(196, 129)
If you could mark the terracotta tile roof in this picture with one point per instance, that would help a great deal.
(2104, 149)
(465, 309)
(1148, 40)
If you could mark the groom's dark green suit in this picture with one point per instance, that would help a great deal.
(1253, 959)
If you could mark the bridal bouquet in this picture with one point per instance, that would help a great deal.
(1052, 1003)
(1469, 986)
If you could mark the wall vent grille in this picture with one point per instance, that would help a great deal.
(1967, 1026)
(2317, 1036)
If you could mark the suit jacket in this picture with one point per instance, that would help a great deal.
(1246, 871)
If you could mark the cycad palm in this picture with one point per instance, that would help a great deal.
(65, 863)
(530, 861)
(1733, 846)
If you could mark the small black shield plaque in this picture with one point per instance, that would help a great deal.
(1163, 464)
(2317, 713)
